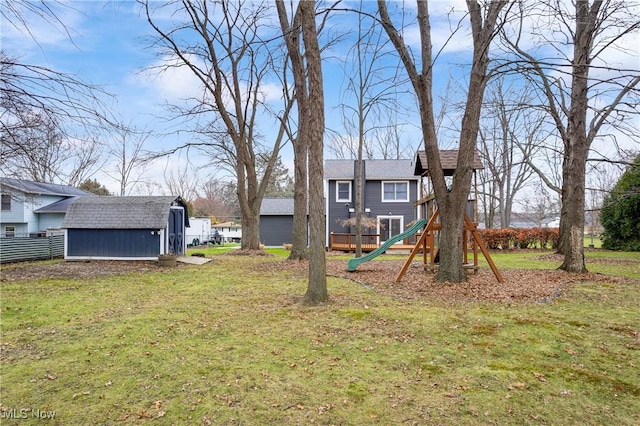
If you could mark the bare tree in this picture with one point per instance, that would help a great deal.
(510, 135)
(128, 159)
(34, 149)
(292, 33)
(217, 198)
(48, 119)
(180, 182)
(540, 204)
(452, 203)
(222, 46)
(584, 91)
(370, 92)
(307, 74)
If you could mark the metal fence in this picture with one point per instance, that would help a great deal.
(26, 248)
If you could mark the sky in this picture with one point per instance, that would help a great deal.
(108, 44)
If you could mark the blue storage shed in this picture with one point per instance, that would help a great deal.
(125, 228)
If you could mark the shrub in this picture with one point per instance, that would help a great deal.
(525, 238)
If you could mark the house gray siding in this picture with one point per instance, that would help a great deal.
(276, 230)
(338, 211)
(113, 243)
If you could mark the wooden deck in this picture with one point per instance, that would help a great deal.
(370, 242)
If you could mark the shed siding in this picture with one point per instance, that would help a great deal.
(121, 243)
(276, 230)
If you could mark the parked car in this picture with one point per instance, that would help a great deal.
(215, 238)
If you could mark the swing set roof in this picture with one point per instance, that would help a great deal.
(448, 159)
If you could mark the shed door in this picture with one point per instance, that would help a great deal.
(176, 231)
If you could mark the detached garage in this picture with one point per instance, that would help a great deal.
(125, 228)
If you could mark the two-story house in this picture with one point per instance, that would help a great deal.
(390, 189)
(32, 208)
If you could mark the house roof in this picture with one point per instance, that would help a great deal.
(40, 188)
(276, 206)
(226, 225)
(121, 212)
(374, 169)
(448, 159)
(61, 206)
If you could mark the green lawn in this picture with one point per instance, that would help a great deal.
(226, 344)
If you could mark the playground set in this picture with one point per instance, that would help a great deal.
(426, 243)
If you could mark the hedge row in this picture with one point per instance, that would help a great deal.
(507, 238)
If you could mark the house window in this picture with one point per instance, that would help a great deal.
(395, 191)
(6, 202)
(343, 192)
(9, 231)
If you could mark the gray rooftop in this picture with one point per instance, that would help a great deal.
(276, 206)
(61, 206)
(30, 187)
(374, 169)
(120, 212)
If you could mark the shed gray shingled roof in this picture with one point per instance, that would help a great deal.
(119, 212)
(448, 159)
(374, 169)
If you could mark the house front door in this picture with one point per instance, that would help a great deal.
(388, 226)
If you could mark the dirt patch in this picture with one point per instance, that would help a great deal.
(78, 269)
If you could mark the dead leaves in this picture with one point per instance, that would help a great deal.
(519, 285)
(154, 411)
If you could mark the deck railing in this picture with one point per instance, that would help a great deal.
(370, 242)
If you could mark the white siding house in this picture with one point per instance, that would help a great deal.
(31, 208)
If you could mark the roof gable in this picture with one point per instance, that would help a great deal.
(121, 212)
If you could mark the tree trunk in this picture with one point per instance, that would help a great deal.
(299, 239)
(300, 144)
(250, 230)
(451, 257)
(576, 143)
(317, 287)
(358, 203)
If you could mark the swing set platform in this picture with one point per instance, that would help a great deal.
(426, 242)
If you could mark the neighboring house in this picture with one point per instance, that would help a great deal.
(34, 208)
(390, 189)
(231, 232)
(276, 221)
(125, 228)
